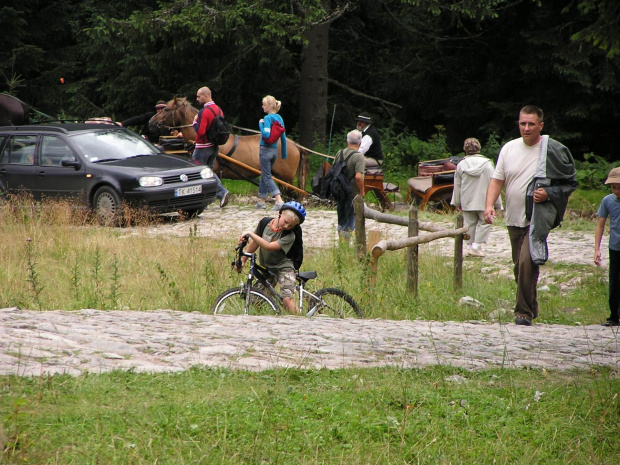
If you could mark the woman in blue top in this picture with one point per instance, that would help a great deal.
(268, 153)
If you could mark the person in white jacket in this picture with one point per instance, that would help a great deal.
(471, 180)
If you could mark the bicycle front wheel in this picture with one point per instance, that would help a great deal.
(334, 303)
(235, 302)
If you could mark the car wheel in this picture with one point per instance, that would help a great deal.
(192, 213)
(107, 205)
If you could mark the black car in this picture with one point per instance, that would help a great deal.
(102, 164)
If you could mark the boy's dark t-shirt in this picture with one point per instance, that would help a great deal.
(276, 259)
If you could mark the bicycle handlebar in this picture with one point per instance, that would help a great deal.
(240, 253)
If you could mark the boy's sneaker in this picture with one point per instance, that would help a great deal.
(475, 253)
(260, 206)
(611, 322)
(277, 206)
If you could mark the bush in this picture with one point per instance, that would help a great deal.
(592, 172)
(403, 151)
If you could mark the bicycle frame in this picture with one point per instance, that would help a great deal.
(262, 274)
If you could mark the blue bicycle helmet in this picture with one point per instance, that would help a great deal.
(295, 207)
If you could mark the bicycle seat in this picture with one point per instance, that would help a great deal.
(305, 276)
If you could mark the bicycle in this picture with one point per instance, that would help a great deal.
(248, 300)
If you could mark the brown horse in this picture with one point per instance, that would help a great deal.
(179, 114)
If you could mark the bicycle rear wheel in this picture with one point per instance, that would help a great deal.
(233, 302)
(334, 303)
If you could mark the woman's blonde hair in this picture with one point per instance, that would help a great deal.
(272, 102)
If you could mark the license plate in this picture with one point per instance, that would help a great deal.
(182, 191)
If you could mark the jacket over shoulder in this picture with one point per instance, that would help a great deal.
(556, 174)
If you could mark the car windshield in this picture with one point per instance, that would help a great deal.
(113, 144)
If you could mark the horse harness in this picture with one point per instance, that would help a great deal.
(174, 109)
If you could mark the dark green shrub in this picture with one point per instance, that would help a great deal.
(592, 172)
(404, 150)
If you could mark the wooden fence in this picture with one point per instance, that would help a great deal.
(411, 242)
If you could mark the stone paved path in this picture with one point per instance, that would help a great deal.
(75, 342)
(98, 341)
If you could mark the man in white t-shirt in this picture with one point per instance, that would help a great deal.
(516, 167)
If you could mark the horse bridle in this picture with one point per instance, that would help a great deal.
(174, 109)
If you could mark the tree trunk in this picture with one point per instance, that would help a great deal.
(313, 94)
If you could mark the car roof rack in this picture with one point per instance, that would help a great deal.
(65, 126)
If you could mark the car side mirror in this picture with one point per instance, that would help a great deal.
(71, 162)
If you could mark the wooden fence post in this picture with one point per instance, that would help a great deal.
(360, 228)
(374, 237)
(412, 253)
(458, 254)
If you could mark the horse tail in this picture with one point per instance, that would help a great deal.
(303, 168)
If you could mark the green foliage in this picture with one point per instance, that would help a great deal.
(491, 148)
(602, 30)
(584, 203)
(404, 150)
(33, 274)
(592, 173)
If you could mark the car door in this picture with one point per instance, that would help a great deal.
(54, 179)
(18, 170)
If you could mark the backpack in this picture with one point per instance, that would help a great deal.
(316, 184)
(296, 252)
(276, 132)
(219, 131)
(336, 185)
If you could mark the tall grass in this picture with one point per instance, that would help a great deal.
(55, 258)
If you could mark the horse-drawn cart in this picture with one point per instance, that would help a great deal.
(434, 183)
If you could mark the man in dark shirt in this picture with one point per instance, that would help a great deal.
(371, 142)
(152, 134)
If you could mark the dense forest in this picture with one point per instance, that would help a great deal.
(415, 65)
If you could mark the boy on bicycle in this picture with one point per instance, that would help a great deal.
(275, 242)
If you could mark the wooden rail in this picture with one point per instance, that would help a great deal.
(254, 170)
(411, 242)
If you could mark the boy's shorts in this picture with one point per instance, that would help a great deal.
(286, 281)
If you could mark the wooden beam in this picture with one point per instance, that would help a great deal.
(400, 220)
(254, 170)
(397, 244)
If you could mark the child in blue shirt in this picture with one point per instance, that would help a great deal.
(610, 208)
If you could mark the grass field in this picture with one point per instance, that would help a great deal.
(374, 416)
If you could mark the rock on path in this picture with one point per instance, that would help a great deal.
(74, 342)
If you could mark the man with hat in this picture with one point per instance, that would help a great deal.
(152, 134)
(371, 142)
(539, 175)
(610, 208)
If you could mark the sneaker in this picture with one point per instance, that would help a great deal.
(260, 206)
(611, 322)
(277, 206)
(474, 253)
(224, 200)
(523, 320)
